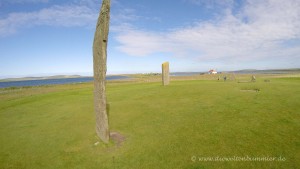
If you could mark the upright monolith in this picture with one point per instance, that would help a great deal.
(99, 59)
(165, 74)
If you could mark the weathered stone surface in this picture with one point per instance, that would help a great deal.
(253, 78)
(99, 59)
(165, 74)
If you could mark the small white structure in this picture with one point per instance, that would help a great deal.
(212, 71)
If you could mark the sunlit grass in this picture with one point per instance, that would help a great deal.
(164, 126)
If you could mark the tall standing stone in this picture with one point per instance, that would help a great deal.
(99, 59)
(165, 74)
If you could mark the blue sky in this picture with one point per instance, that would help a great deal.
(50, 37)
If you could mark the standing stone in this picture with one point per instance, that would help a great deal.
(253, 79)
(165, 74)
(99, 59)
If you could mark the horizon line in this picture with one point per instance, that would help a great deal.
(90, 74)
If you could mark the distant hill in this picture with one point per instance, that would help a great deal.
(244, 71)
(268, 71)
(40, 78)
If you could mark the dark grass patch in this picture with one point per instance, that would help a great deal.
(250, 90)
(117, 138)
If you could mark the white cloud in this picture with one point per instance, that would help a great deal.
(24, 1)
(138, 43)
(260, 30)
(68, 15)
(80, 13)
(211, 3)
(124, 15)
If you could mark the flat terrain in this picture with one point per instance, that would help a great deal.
(181, 126)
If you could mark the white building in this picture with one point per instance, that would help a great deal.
(212, 71)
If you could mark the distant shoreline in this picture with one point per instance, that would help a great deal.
(50, 77)
(244, 71)
(23, 82)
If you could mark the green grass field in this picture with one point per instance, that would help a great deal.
(165, 127)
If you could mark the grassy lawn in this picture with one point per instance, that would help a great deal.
(165, 127)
